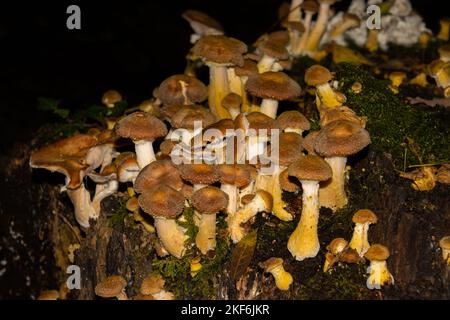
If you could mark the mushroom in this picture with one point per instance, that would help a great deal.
(202, 24)
(293, 121)
(420, 79)
(272, 51)
(153, 285)
(107, 185)
(165, 204)
(283, 279)
(424, 178)
(110, 98)
(295, 12)
(248, 68)
(309, 170)
(232, 178)
(296, 30)
(444, 52)
(444, 30)
(181, 89)
(362, 219)
(151, 106)
(319, 77)
(348, 21)
(208, 201)
(48, 295)
(440, 71)
(260, 201)
(397, 78)
(219, 53)
(158, 172)
(357, 87)
(143, 129)
(310, 7)
(336, 141)
(379, 274)
(195, 266)
(317, 31)
(372, 40)
(272, 87)
(68, 156)
(444, 243)
(335, 249)
(127, 167)
(341, 113)
(232, 102)
(309, 141)
(112, 287)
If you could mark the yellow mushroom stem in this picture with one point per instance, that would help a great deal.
(109, 188)
(342, 27)
(295, 13)
(304, 241)
(269, 107)
(234, 82)
(144, 152)
(379, 275)
(218, 89)
(277, 193)
(246, 102)
(171, 235)
(372, 40)
(283, 279)
(330, 260)
(81, 200)
(359, 241)
(301, 44)
(316, 33)
(327, 96)
(444, 31)
(332, 193)
(266, 63)
(206, 235)
(233, 197)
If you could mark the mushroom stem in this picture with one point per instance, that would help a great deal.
(172, 236)
(233, 196)
(81, 200)
(327, 96)
(246, 103)
(332, 193)
(359, 240)
(278, 203)
(297, 49)
(378, 275)
(108, 189)
(255, 146)
(234, 82)
(304, 241)
(372, 40)
(218, 89)
(144, 152)
(242, 216)
(266, 63)
(283, 279)
(206, 236)
(319, 28)
(269, 107)
(342, 27)
(295, 13)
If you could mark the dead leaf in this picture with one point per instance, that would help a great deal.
(242, 255)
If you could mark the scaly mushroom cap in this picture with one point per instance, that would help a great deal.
(273, 85)
(160, 171)
(310, 167)
(66, 156)
(232, 101)
(186, 116)
(310, 6)
(317, 75)
(341, 113)
(286, 184)
(364, 216)
(293, 119)
(234, 174)
(295, 26)
(152, 284)
(290, 148)
(309, 141)
(271, 263)
(274, 49)
(209, 200)
(256, 121)
(341, 138)
(171, 91)
(201, 18)
(201, 173)
(141, 126)
(377, 252)
(169, 110)
(110, 287)
(248, 68)
(162, 201)
(221, 50)
(111, 97)
(167, 146)
(281, 37)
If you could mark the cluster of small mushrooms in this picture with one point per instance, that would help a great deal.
(182, 157)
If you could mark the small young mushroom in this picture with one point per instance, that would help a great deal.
(153, 285)
(444, 30)
(335, 248)
(112, 287)
(397, 78)
(111, 97)
(293, 121)
(283, 279)
(195, 266)
(208, 201)
(261, 201)
(309, 170)
(319, 77)
(272, 51)
(379, 274)
(232, 102)
(158, 172)
(232, 178)
(444, 243)
(362, 219)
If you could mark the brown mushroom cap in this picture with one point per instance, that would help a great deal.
(309, 141)
(256, 121)
(111, 287)
(364, 216)
(132, 204)
(167, 146)
(201, 18)
(281, 37)
(290, 148)
(271, 263)
(341, 113)
(141, 126)
(232, 101)
(162, 201)
(209, 200)
(170, 91)
(201, 173)
(48, 295)
(293, 119)
(310, 6)
(341, 138)
(247, 69)
(221, 50)
(317, 75)
(152, 284)
(350, 256)
(234, 174)
(273, 85)
(186, 117)
(160, 171)
(66, 156)
(274, 49)
(377, 252)
(295, 26)
(337, 245)
(169, 110)
(286, 184)
(111, 97)
(310, 167)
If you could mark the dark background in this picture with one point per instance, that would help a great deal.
(129, 45)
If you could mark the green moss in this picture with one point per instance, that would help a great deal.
(392, 123)
(119, 212)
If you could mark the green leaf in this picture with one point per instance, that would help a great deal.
(52, 105)
(242, 255)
